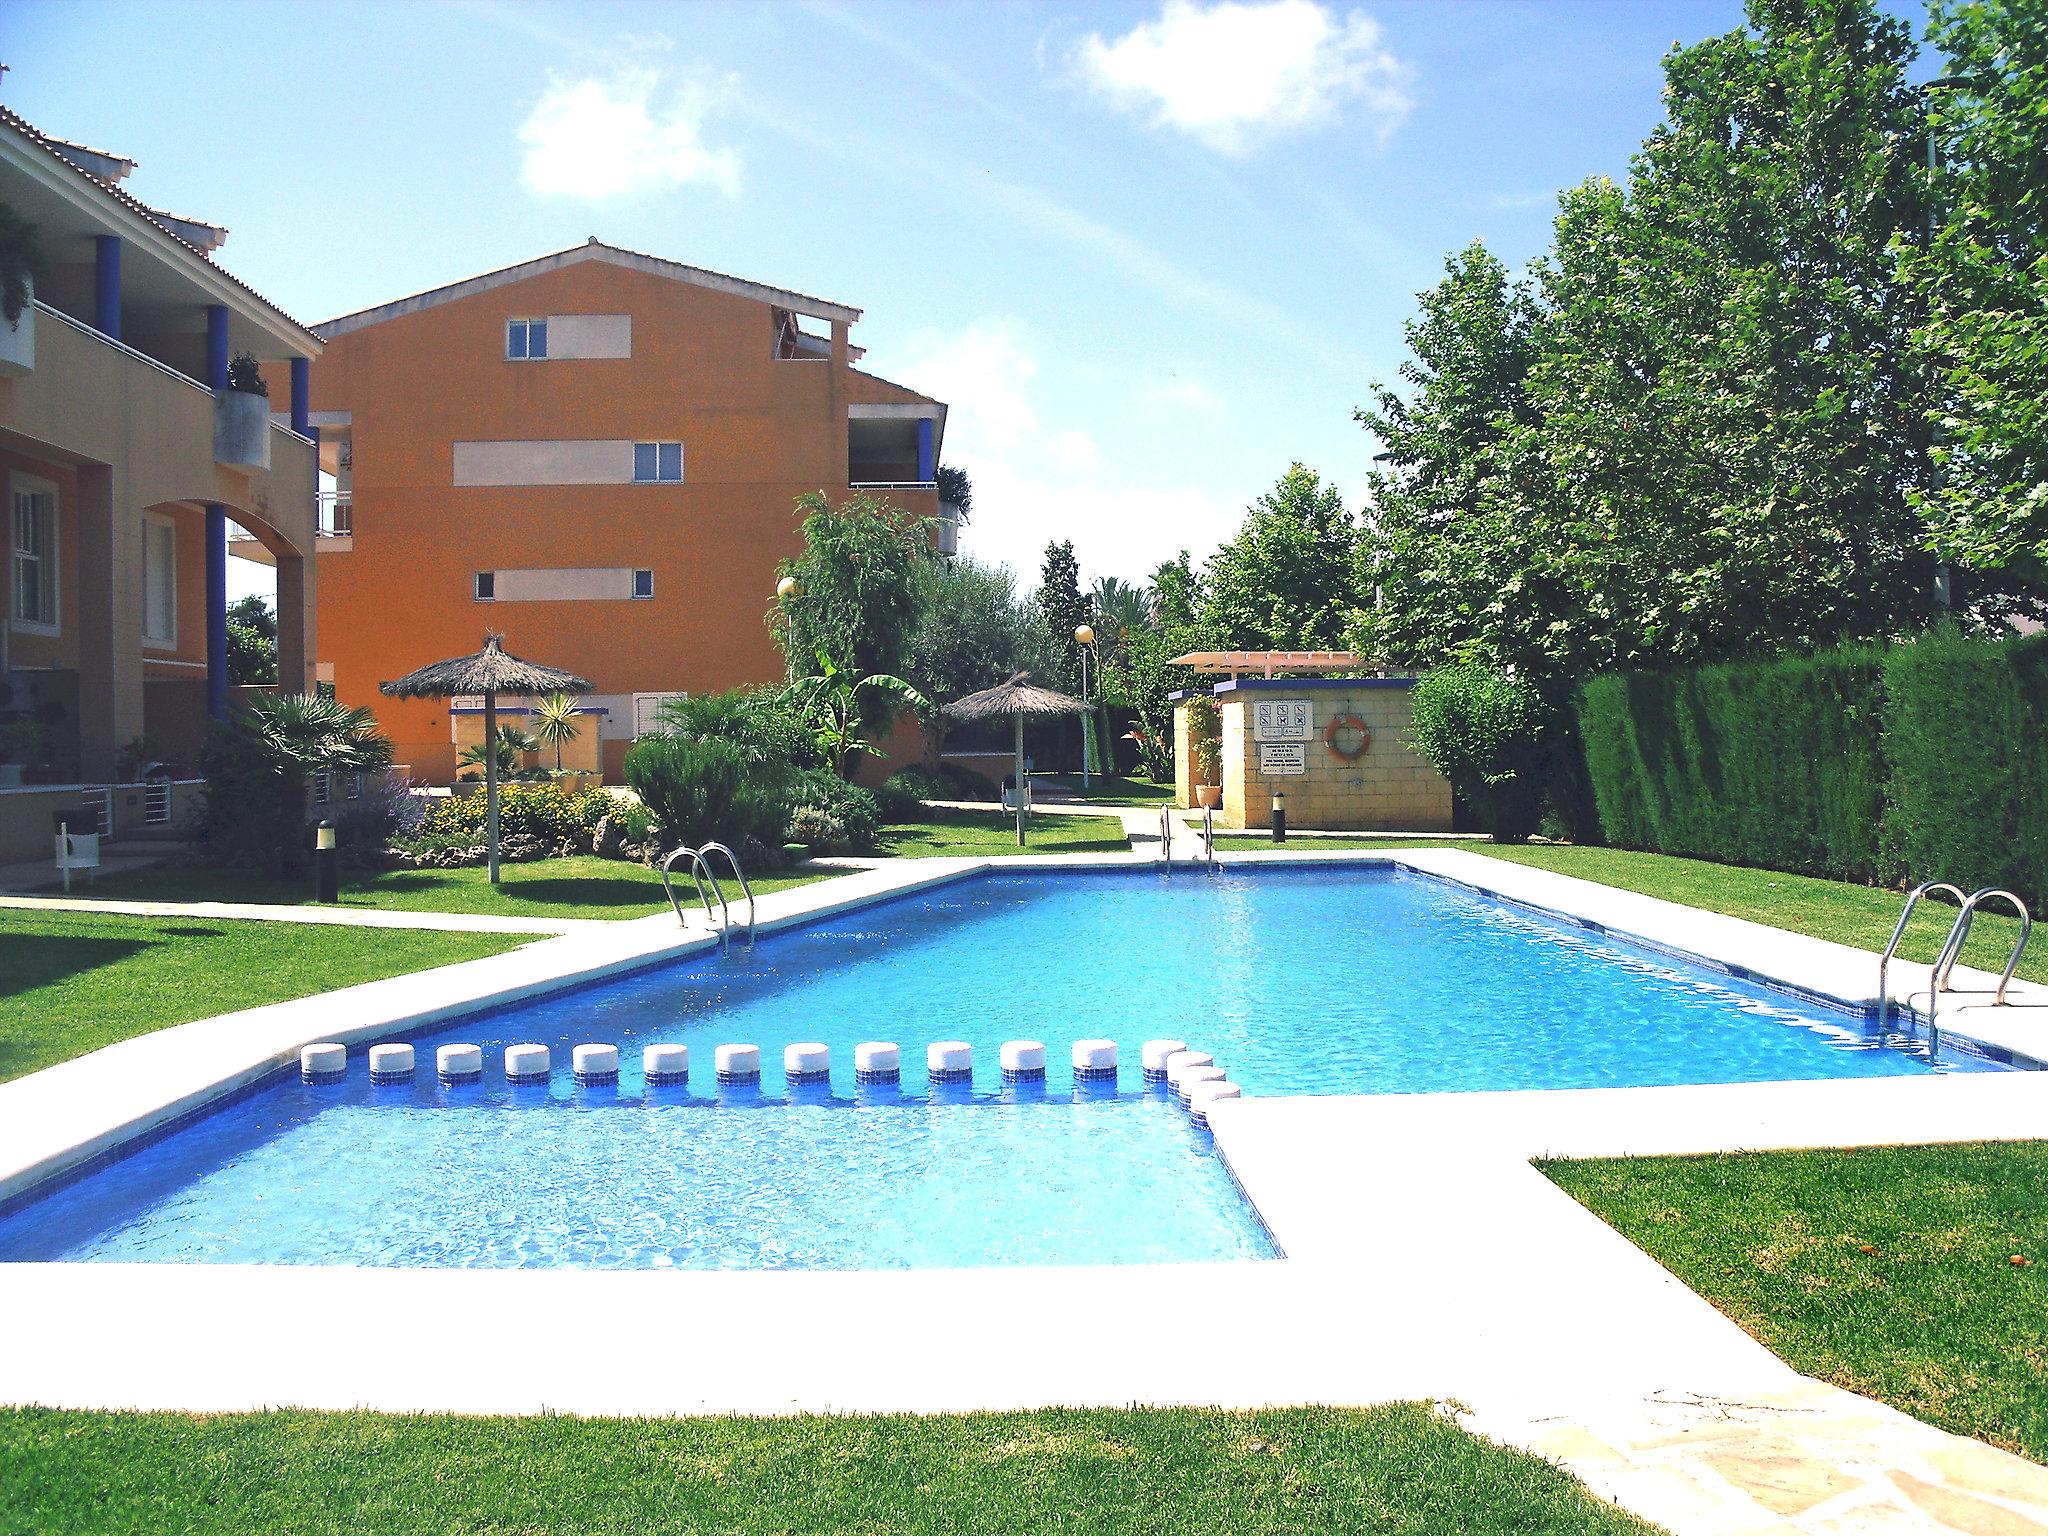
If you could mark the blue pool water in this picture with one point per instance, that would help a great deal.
(1299, 980)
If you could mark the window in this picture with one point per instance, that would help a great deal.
(643, 583)
(34, 544)
(159, 580)
(526, 339)
(486, 586)
(658, 463)
(647, 711)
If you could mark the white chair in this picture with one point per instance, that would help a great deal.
(77, 850)
(1010, 793)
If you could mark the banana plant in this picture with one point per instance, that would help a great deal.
(835, 702)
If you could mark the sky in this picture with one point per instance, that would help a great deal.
(1149, 254)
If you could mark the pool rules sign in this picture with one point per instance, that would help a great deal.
(1282, 728)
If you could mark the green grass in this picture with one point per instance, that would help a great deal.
(1935, 1319)
(1107, 789)
(954, 834)
(1395, 1471)
(580, 886)
(71, 982)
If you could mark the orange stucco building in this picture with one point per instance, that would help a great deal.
(596, 453)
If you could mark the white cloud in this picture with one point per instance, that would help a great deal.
(602, 136)
(1233, 73)
(1036, 483)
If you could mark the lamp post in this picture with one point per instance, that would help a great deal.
(787, 591)
(1084, 637)
(1944, 573)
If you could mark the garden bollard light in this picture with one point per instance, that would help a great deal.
(326, 865)
(1279, 817)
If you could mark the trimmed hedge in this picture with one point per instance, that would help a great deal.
(1862, 763)
(1778, 764)
(1966, 732)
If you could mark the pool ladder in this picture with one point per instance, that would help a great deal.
(1951, 951)
(1208, 836)
(701, 872)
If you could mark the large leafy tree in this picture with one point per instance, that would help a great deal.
(1285, 581)
(1451, 557)
(974, 633)
(1985, 283)
(1699, 434)
(252, 641)
(861, 590)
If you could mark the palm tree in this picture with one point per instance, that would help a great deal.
(555, 723)
(513, 742)
(1120, 607)
(289, 737)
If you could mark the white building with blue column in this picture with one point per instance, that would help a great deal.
(129, 461)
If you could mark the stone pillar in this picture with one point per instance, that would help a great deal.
(109, 625)
(295, 618)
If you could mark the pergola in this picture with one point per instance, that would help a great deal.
(1268, 663)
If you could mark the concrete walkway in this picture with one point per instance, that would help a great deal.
(1425, 1257)
(334, 917)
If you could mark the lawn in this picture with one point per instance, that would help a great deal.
(1107, 789)
(71, 982)
(1397, 1471)
(1886, 1270)
(940, 834)
(580, 886)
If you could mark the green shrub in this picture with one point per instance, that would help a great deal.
(1483, 730)
(950, 782)
(543, 811)
(706, 791)
(765, 723)
(1966, 735)
(1778, 764)
(855, 812)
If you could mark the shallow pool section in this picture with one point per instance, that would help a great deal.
(513, 1178)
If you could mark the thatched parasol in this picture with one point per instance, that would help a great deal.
(1016, 698)
(489, 672)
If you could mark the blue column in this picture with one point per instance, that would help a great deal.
(925, 468)
(106, 285)
(216, 611)
(217, 346)
(302, 383)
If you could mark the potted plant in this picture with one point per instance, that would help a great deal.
(1205, 739)
(21, 742)
(241, 416)
(21, 264)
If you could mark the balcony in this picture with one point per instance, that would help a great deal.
(97, 400)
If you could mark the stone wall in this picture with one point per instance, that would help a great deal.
(1389, 787)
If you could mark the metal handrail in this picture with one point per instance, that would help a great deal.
(704, 858)
(1958, 935)
(1209, 835)
(696, 863)
(1884, 1002)
(1166, 836)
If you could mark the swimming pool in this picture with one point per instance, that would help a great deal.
(1298, 979)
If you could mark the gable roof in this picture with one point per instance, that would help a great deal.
(53, 152)
(591, 250)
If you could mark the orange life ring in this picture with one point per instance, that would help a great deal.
(1347, 722)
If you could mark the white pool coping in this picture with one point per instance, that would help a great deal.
(1425, 1256)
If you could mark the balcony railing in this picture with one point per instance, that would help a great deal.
(336, 516)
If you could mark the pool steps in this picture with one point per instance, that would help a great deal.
(1192, 1076)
